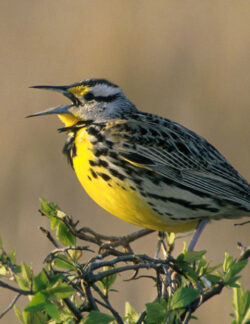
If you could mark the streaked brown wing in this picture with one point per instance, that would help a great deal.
(181, 156)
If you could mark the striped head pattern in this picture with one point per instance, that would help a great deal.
(95, 99)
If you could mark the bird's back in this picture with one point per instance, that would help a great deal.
(170, 149)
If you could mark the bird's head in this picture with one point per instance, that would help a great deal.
(94, 99)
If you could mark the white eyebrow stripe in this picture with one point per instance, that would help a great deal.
(104, 90)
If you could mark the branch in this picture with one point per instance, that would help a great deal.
(49, 237)
(107, 273)
(10, 306)
(141, 318)
(112, 310)
(216, 290)
(20, 291)
(72, 307)
(52, 255)
(245, 251)
(91, 298)
(100, 239)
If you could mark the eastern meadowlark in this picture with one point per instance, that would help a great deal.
(142, 168)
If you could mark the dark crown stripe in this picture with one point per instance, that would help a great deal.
(93, 82)
(106, 98)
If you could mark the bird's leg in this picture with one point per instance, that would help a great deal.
(200, 227)
(160, 244)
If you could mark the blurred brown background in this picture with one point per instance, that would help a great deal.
(185, 60)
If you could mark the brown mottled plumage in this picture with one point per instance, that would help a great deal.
(143, 168)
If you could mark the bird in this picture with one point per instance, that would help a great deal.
(143, 168)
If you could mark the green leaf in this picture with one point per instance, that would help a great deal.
(192, 256)
(131, 316)
(75, 254)
(238, 266)
(64, 236)
(211, 269)
(201, 266)
(227, 262)
(98, 318)
(34, 318)
(183, 297)
(54, 222)
(12, 256)
(19, 314)
(40, 281)
(55, 279)
(17, 268)
(241, 305)
(246, 319)
(24, 281)
(170, 237)
(63, 262)
(37, 303)
(26, 272)
(52, 311)
(233, 269)
(212, 278)
(156, 312)
(50, 210)
(188, 270)
(3, 270)
(233, 282)
(60, 290)
(107, 282)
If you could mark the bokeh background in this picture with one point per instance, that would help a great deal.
(185, 60)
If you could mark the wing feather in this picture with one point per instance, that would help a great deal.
(174, 152)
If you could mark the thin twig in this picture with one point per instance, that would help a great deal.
(141, 318)
(100, 239)
(20, 291)
(187, 317)
(52, 255)
(243, 223)
(49, 236)
(10, 306)
(91, 298)
(112, 310)
(101, 303)
(245, 251)
(135, 277)
(72, 307)
(130, 237)
(129, 258)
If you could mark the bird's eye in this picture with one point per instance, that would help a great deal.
(89, 96)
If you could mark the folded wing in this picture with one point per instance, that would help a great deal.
(174, 152)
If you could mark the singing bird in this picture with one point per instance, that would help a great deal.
(145, 169)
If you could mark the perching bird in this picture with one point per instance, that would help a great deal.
(142, 168)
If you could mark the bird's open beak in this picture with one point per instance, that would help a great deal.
(55, 110)
(61, 109)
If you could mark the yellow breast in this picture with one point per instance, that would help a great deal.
(115, 195)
